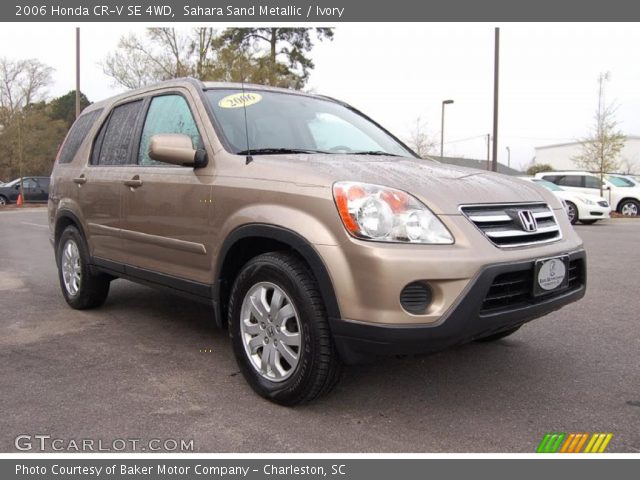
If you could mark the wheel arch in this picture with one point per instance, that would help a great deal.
(633, 199)
(63, 220)
(248, 241)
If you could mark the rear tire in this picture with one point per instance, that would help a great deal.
(498, 336)
(81, 288)
(280, 332)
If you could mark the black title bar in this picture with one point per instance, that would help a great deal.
(328, 11)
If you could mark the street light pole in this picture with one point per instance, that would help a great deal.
(444, 102)
(508, 157)
(489, 151)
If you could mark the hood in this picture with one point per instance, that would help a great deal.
(443, 188)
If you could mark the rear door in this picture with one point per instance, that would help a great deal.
(166, 207)
(101, 181)
(572, 183)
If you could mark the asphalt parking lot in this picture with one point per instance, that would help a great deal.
(148, 365)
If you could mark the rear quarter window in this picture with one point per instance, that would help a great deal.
(77, 134)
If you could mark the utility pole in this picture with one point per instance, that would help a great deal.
(496, 71)
(77, 72)
(508, 157)
(21, 156)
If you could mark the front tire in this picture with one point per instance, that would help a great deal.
(279, 330)
(629, 208)
(80, 287)
(3, 201)
(572, 213)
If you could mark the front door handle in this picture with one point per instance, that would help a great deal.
(135, 182)
(81, 180)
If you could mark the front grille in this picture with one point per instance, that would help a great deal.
(515, 289)
(603, 203)
(504, 227)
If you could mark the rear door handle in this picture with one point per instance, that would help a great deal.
(135, 182)
(81, 180)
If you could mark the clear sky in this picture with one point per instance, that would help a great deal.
(397, 72)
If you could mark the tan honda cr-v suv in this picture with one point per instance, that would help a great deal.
(317, 236)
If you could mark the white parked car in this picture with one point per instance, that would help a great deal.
(621, 195)
(633, 181)
(581, 207)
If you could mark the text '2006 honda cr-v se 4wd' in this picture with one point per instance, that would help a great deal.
(317, 236)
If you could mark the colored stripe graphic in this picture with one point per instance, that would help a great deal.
(598, 443)
(550, 443)
(555, 442)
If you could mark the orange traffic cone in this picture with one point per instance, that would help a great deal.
(20, 201)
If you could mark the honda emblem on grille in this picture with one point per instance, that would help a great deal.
(527, 220)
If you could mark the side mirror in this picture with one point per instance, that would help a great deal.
(177, 149)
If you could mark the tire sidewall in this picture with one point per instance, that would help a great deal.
(575, 218)
(268, 271)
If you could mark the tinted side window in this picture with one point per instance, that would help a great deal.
(77, 134)
(591, 182)
(29, 183)
(113, 145)
(570, 181)
(167, 114)
(552, 178)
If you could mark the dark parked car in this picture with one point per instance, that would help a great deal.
(36, 190)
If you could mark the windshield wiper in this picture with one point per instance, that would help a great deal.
(276, 151)
(373, 152)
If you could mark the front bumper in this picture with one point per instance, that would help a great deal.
(593, 212)
(467, 320)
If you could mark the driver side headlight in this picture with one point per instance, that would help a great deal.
(586, 201)
(383, 214)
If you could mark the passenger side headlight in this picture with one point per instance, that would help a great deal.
(383, 214)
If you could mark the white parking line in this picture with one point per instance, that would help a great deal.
(35, 224)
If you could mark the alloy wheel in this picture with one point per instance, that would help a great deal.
(271, 331)
(630, 209)
(71, 268)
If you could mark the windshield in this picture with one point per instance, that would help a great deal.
(285, 123)
(12, 183)
(618, 181)
(549, 185)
